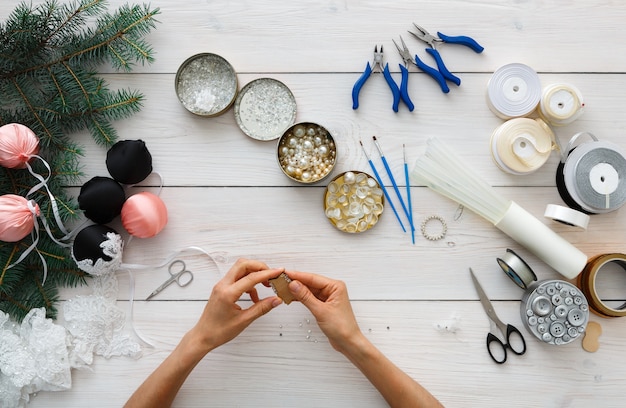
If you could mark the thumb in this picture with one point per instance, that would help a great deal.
(304, 295)
(261, 308)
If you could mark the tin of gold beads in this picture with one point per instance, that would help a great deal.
(306, 152)
(353, 202)
(206, 84)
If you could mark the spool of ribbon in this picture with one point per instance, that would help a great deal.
(587, 282)
(522, 145)
(517, 269)
(591, 178)
(561, 104)
(567, 216)
(514, 90)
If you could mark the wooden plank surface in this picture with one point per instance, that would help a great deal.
(226, 194)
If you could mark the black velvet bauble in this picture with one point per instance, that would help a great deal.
(101, 199)
(97, 249)
(129, 161)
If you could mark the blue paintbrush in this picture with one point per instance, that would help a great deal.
(408, 193)
(382, 186)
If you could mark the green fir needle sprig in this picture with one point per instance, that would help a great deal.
(49, 56)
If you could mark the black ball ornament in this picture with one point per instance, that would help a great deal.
(101, 199)
(97, 249)
(129, 161)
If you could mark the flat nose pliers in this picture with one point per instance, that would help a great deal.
(377, 66)
(442, 73)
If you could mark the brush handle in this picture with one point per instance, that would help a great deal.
(397, 190)
(535, 236)
(382, 186)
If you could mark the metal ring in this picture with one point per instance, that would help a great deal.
(432, 237)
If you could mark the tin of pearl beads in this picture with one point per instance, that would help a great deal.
(353, 202)
(306, 152)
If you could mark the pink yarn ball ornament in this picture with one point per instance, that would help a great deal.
(17, 217)
(18, 144)
(144, 215)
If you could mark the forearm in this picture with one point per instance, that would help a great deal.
(398, 389)
(161, 387)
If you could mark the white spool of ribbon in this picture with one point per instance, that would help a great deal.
(566, 215)
(514, 90)
(522, 145)
(561, 104)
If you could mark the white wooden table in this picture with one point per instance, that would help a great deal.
(225, 193)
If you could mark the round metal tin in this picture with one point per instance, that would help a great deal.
(265, 108)
(306, 152)
(353, 202)
(206, 84)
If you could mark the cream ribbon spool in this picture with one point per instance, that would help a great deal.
(514, 90)
(587, 283)
(567, 216)
(522, 145)
(560, 104)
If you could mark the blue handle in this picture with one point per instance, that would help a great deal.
(382, 186)
(433, 73)
(442, 67)
(394, 88)
(462, 40)
(397, 190)
(404, 88)
(358, 85)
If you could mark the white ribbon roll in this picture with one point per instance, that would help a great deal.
(567, 216)
(513, 91)
(561, 104)
(522, 145)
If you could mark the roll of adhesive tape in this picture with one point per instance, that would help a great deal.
(517, 269)
(522, 145)
(561, 104)
(587, 283)
(567, 216)
(593, 177)
(514, 90)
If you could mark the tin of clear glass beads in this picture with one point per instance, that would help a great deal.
(206, 84)
(306, 152)
(353, 202)
(264, 109)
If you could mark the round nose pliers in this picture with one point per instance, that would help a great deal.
(377, 66)
(442, 73)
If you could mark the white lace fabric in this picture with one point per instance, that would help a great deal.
(38, 354)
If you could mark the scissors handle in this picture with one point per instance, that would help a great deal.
(517, 345)
(186, 281)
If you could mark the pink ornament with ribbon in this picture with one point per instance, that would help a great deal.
(18, 145)
(144, 215)
(17, 217)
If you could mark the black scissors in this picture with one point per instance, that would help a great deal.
(517, 345)
(178, 273)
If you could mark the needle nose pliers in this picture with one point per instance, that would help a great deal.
(377, 66)
(408, 59)
(442, 73)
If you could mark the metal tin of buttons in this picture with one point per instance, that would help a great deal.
(206, 84)
(555, 311)
(264, 109)
(353, 202)
(306, 152)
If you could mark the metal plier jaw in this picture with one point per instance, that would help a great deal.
(377, 66)
(442, 73)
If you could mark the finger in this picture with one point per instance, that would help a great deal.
(311, 280)
(301, 293)
(260, 308)
(243, 267)
(249, 281)
(254, 295)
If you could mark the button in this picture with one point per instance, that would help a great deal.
(568, 301)
(529, 312)
(566, 338)
(550, 290)
(558, 285)
(541, 306)
(542, 328)
(532, 320)
(557, 300)
(546, 337)
(541, 290)
(557, 329)
(576, 317)
(558, 341)
(572, 331)
(578, 300)
(561, 311)
(553, 317)
(541, 320)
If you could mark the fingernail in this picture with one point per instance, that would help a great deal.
(295, 286)
(277, 302)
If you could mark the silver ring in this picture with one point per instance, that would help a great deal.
(442, 233)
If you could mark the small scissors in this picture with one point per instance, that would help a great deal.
(177, 270)
(518, 346)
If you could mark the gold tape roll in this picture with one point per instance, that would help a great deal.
(587, 283)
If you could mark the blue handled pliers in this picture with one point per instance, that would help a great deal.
(377, 65)
(408, 59)
(442, 73)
